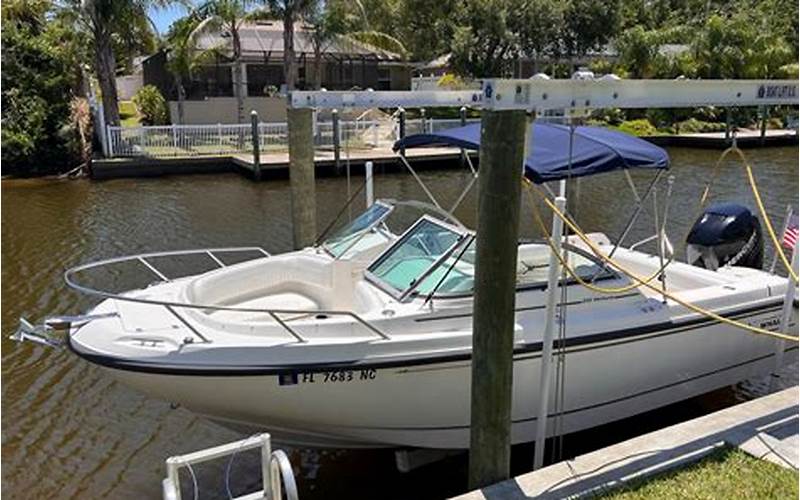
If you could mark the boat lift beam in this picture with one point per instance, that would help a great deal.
(529, 94)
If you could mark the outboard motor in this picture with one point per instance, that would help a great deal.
(726, 233)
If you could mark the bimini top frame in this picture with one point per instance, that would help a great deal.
(541, 94)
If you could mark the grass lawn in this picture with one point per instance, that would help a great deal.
(128, 115)
(725, 474)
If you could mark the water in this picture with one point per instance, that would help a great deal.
(69, 431)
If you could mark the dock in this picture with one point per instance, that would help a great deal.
(766, 428)
(276, 164)
(745, 138)
(272, 164)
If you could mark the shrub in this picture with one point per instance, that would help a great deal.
(694, 126)
(451, 81)
(640, 127)
(151, 105)
(36, 87)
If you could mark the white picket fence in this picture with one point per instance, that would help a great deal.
(226, 139)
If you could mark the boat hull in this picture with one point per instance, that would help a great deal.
(427, 404)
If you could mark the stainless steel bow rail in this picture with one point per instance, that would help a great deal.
(277, 476)
(51, 331)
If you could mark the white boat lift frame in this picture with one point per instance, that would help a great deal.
(575, 97)
(529, 95)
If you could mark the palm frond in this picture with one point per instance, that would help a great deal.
(380, 41)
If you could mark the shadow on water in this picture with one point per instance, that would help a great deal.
(68, 430)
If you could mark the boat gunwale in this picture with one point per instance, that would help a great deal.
(578, 343)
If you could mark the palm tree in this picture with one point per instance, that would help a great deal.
(103, 20)
(227, 16)
(184, 57)
(290, 11)
(345, 21)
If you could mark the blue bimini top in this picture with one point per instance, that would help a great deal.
(594, 150)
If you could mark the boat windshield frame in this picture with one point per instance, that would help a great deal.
(400, 295)
(357, 235)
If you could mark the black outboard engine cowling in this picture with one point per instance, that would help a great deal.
(726, 233)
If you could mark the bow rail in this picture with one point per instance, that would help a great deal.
(27, 331)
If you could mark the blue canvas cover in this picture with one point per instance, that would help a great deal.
(594, 150)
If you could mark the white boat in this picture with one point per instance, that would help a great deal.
(364, 340)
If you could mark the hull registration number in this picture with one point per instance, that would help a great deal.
(327, 377)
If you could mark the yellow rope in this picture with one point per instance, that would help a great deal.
(643, 282)
(757, 196)
(767, 223)
(591, 286)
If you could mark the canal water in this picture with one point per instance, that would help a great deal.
(69, 431)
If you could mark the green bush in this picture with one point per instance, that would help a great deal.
(640, 127)
(695, 126)
(37, 79)
(151, 105)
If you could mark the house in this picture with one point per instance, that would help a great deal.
(346, 64)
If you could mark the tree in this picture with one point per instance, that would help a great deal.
(183, 57)
(589, 25)
(425, 26)
(327, 21)
(639, 51)
(39, 80)
(484, 43)
(539, 24)
(290, 11)
(109, 25)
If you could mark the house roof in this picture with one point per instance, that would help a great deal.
(266, 37)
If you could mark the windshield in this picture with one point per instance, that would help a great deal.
(347, 236)
(409, 260)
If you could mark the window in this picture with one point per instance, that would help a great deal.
(411, 258)
(346, 237)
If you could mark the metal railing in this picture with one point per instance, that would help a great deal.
(145, 260)
(173, 141)
(165, 141)
(277, 476)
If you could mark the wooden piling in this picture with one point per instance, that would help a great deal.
(337, 147)
(401, 127)
(301, 176)
(501, 156)
(256, 145)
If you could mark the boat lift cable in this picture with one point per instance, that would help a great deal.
(586, 284)
(756, 195)
(347, 204)
(644, 282)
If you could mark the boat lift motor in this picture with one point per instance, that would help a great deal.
(725, 234)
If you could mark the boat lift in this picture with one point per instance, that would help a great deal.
(575, 97)
(532, 96)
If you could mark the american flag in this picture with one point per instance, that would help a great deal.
(790, 233)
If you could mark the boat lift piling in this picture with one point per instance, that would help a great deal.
(301, 176)
(546, 373)
(493, 325)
